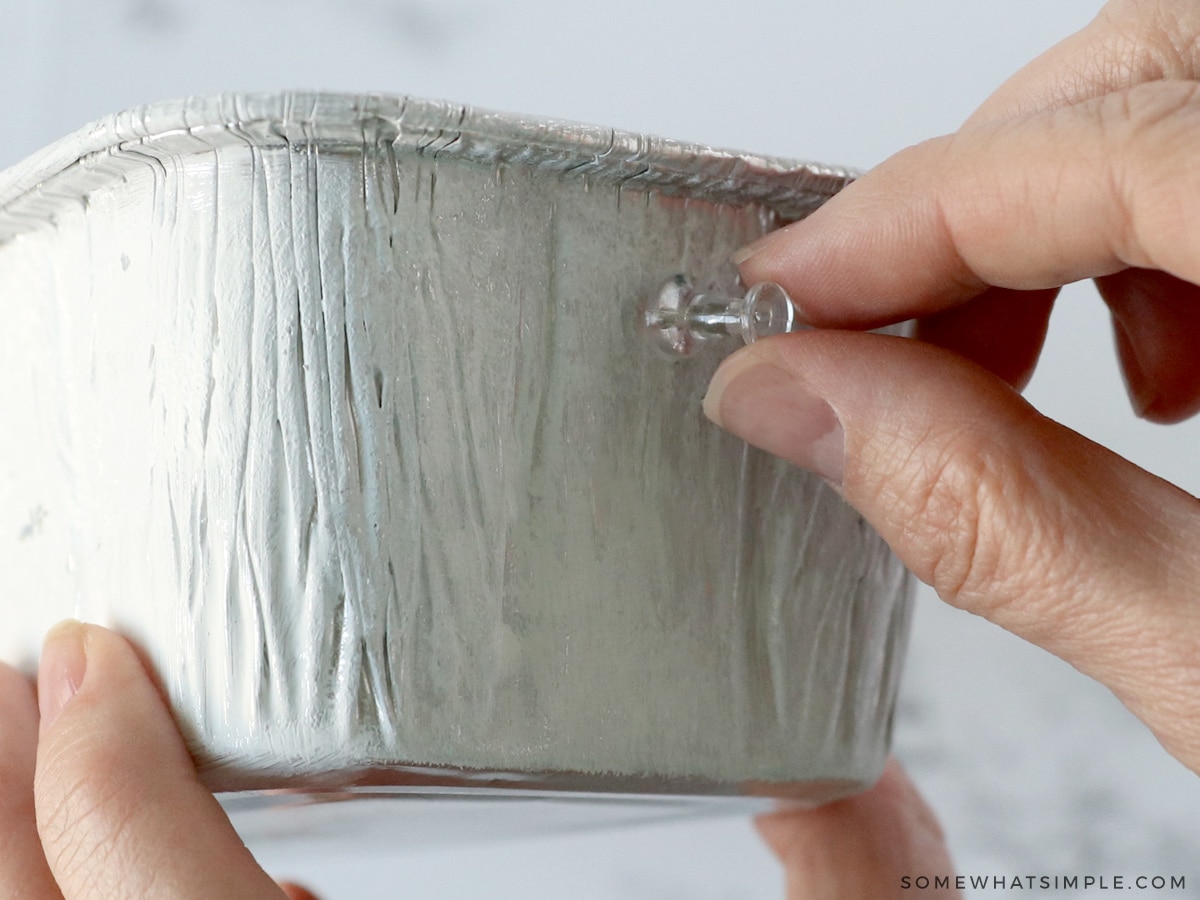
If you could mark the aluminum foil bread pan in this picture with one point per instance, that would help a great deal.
(341, 408)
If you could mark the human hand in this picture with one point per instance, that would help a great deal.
(1082, 165)
(99, 799)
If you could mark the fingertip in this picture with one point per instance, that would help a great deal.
(1138, 387)
(743, 255)
(727, 372)
(875, 253)
(294, 891)
(806, 256)
(1167, 414)
(1156, 324)
(764, 404)
(860, 846)
(773, 828)
(61, 669)
(783, 257)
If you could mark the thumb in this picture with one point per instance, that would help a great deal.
(120, 810)
(1004, 512)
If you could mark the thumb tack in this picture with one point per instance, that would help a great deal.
(682, 320)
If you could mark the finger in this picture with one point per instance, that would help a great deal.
(1156, 321)
(23, 869)
(119, 808)
(860, 847)
(1004, 512)
(1130, 42)
(1001, 330)
(1026, 204)
(296, 892)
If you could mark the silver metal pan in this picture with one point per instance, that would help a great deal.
(343, 409)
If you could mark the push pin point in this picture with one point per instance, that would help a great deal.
(681, 319)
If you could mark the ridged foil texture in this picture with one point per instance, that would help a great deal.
(342, 409)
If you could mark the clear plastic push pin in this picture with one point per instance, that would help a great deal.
(681, 319)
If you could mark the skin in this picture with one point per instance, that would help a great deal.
(99, 798)
(1081, 166)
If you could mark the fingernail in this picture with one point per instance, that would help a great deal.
(770, 408)
(61, 670)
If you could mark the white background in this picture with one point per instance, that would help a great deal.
(1033, 769)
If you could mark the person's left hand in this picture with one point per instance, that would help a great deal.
(99, 798)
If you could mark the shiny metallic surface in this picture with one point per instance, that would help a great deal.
(345, 410)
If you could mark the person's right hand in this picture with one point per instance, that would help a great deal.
(1085, 165)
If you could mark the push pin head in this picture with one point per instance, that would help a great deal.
(681, 319)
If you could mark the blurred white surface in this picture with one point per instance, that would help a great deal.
(1032, 768)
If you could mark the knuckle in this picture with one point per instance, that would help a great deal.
(971, 524)
(1146, 109)
(1148, 134)
(949, 499)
